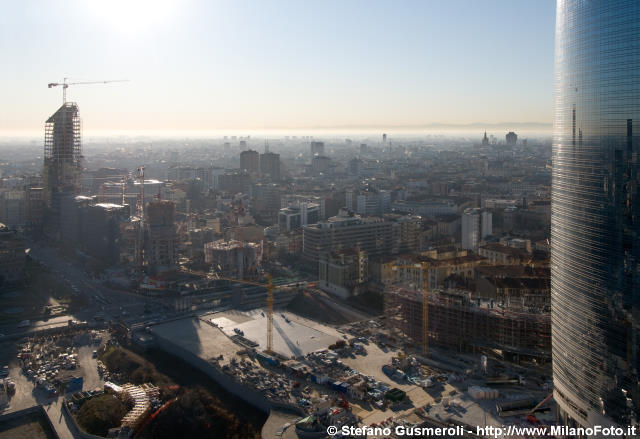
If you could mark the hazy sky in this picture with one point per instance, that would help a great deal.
(267, 64)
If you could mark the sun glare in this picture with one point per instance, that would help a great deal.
(133, 16)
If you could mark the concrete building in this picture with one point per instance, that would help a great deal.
(406, 231)
(12, 256)
(500, 254)
(35, 204)
(432, 268)
(287, 200)
(161, 238)
(347, 231)
(433, 208)
(266, 201)
(516, 293)
(296, 216)
(456, 321)
(270, 165)
(512, 138)
(317, 148)
(476, 225)
(234, 182)
(355, 165)
(62, 158)
(320, 164)
(369, 202)
(250, 162)
(12, 207)
(343, 273)
(101, 231)
(234, 259)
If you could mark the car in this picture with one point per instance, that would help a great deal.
(94, 354)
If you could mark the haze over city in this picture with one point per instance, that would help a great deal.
(225, 65)
(307, 220)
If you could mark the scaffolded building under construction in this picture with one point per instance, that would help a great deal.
(455, 321)
(62, 156)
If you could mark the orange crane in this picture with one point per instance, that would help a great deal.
(66, 85)
(425, 305)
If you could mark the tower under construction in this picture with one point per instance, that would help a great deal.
(62, 158)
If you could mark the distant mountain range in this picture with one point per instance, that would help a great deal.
(541, 126)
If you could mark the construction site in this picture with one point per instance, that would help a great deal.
(453, 320)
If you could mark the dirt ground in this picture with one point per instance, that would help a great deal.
(31, 427)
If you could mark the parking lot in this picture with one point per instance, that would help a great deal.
(29, 393)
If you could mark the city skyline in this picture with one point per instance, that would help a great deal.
(286, 66)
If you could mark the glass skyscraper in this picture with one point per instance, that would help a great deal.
(595, 221)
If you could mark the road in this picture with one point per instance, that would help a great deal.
(101, 300)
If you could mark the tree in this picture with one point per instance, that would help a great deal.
(99, 414)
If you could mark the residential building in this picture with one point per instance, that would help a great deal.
(343, 273)
(500, 254)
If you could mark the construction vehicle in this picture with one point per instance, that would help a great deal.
(66, 85)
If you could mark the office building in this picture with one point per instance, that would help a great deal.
(320, 164)
(317, 148)
(297, 215)
(270, 165)
(346, 231)
(512, 138)
(294, 199)
(250, 161)
(476, 225)
(369, 202)
(595, 213)
(62, 157)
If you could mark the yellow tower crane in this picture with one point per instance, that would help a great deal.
(66, 85)
(425, 304)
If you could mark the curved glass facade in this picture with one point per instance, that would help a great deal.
(595, 219)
